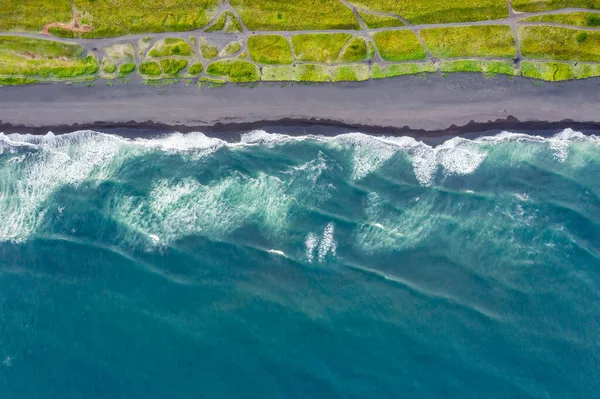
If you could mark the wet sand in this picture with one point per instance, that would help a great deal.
(436, 105)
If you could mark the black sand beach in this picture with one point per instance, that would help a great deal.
(409, 105)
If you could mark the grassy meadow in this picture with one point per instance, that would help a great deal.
(271, 49)
(399, 45)
(471, 41)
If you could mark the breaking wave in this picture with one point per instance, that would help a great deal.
(207, 186)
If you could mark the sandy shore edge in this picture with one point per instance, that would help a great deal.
(414, 106)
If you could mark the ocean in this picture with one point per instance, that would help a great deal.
(283, 266)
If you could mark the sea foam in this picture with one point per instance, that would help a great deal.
(33, 168)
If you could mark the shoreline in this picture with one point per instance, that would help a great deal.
(433, 106)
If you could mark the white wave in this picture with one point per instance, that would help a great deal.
(328, 243)
(34, 167)
(277, 252)
(311, 242)
(324, 245)
(55, 161)
(186, 207)
(196, 142)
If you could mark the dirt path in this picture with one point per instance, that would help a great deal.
(72, 26)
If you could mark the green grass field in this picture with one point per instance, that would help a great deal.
(234, 70)
(553, 43)
(110, 18)
(470, 41)
(231, 48)
(586, 19)
(171, 46)
(543, 5)
(379, 21)
(172, 66)
(399, 45)
(150, 68)
(270, 49)
(384, 48)
(320, 47)
(44, 58)
(195, 69)
(438, 11)
(27, 15)
(350, 73)
(209, 50)
(295, 15)
(355, 50)
(379, 72)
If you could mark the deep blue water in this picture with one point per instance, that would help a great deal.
(299, 267)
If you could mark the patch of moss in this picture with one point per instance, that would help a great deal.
(313, 73)
(389, 71)
(208, 50)
(150, 69)
(172, 66)
(108, 66)
(349, 73)
(550, 71)
(144, 45)
(231, 49)
(16, 81)
(171, 46)
(500, 68)
(278, 73)
(234, 70)
(126, 69)
(210, 82)
(121, 52)
(195, 69)
(462, 66)
(584, 71)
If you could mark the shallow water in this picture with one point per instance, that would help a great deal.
(307, 266)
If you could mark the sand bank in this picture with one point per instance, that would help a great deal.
(458, 103)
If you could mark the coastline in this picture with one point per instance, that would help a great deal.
(433, 106)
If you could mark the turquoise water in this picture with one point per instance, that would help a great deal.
(273, 266)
